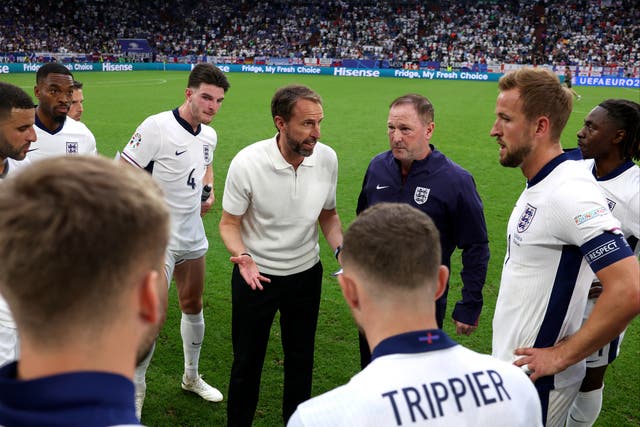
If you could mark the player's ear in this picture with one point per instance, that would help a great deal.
(443, 276)
(188, 92)
(349, 291)
(543, 125)
(149, 300)
(620, 134)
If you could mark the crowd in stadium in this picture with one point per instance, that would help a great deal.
(576, 32)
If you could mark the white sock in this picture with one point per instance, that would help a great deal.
(192, 331)
(585, 409)
(139, 380)
(141, 369)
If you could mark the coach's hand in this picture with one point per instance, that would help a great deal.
(249, 271)
(464, 329)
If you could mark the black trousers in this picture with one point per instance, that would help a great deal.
(297, 297)
(365, 353)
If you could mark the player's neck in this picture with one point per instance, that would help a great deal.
(539, 157)
(381, 328)
(604, 166)
(47, 121)
(36, 362)
(186, 115)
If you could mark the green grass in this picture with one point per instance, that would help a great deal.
(355, 126)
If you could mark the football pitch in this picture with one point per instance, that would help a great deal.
(355, 126)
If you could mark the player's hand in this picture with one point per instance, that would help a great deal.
(206, 205)
(595, 290)
(464, 329)
(541, 362)
(249, 271)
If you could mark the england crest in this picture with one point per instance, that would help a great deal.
(421, 195)
(526, 218)
(72, 147)
(611, 204)
(207, 153)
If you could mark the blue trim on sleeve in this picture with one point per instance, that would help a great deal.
(605, 249)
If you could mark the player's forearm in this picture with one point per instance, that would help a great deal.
(208, 176)
(331, 227)
(618, 304)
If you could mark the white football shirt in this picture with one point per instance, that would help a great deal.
(166, 145)
(11, 167)
(621, 188)
(423, 378)
(560, 227)
(71, 138)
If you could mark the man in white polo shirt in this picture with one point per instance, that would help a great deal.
(276, 193)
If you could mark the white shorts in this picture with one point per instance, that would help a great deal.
(9, 344)
(188, 241)
(560, 401)
(607, 354)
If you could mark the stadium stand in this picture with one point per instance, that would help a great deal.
(393, 32)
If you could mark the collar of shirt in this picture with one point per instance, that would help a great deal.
(279, 162)
(547, 169)
(413, 342)
(617, 171)
(79, 396)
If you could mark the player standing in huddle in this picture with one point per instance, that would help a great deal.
(392, 275)
(560, 232)
(77, 108)
(57, 136)
(177, 148)
(610, 139)
(17, 116)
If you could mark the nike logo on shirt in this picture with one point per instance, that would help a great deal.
(382, 187)
(180, 152)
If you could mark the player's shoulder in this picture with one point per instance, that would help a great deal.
(163, 119)
(208, 134)
(74, 126)
(329, 407)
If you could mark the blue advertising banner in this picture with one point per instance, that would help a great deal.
(134, 45)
